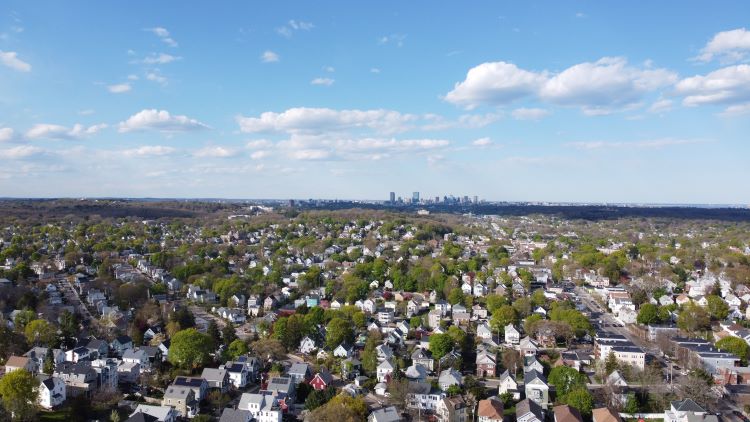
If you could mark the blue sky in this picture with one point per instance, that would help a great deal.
(542, 101)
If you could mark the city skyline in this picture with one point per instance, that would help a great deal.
(577, 102)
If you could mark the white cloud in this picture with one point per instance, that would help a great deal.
(374, 70)
(119, 88)
(647, 144)
(604, 85)
(10, 59)
(161, 58)
(259, 143)
(737, 110)
(163, 34)
(310, 154)
(395, 39)
(293, 26)
(161, 120)
(149, 151)
(303, 119)
(52, 131)
(6, 134)
(482, 142)
(322, 81)
(329, 69)
(723, 86)
(155, 77)
(269, 56)
(597, 87)
(257, 155)
(132, 77)
(661, 106)
(529, 113)
(86, 112)
(494, 83)
(19, 152)
(728, 46)
(215, 152)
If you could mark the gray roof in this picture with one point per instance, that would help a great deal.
(386, 414)
(235, 415)
(687, 405)
(528, 406)
(533, 374)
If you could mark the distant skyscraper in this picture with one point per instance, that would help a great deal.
(393, 197)
(415, 197)
(437, 199)
(476, 199)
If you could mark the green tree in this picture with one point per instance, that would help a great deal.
(342, 408)
(456, 296)
(538, 298)
(581, 399)
(22, 318)
(237, 348)
(228, 334)
(494, 302)
(338, 331)
(503, 316)
(190, 348)
(735, 345)
(39, 332)
(19, 390)
(648, 314)
(440, 345)
(318, 398)
(531, 322)
(693, 318)
(717, 307)
(49, 362)
(213, 332)
(611, 364)
(566, 379)
(631, 404)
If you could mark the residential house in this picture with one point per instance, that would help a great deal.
(683, 411)
(120, 344)
(342, 351)
(422, 396)
(299, 372)
(197, 384)
(423, 357)
(565, 413)
(151, 413)
(486, 364)
(512, 336)
(307, 345)
(508, 385)
(452, 409)
(79, 378)
(238, 373)
(384, 371)
(529, 411)
(449, 377)
(528, 347)
(490, 410)
(604, 414)
(182, 399)
(532, 363)
(535, 384)
(385, 414)
(235, 415)
(51, 392)
(216, 378)
(321, 380)
(15, 363)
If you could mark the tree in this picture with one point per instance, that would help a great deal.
(456, 296)
(19, 390)
(566, 379)
(338, 331)
(531, 323)
(342, 408)
(538, 298)
(611, 364)
(213, 332)
(735, 345)
(648, 314)
(22, 318)
(503, 316)
(440, 345)
(511, 359)
(49, 362)
(269, 349)
(717, 307)
(318, 398)
(114, 416)
(228, 334)
(398, 391)
(494, 302)
(39, 332)
(415, 322)
(693, 318)
(190, 348)
(631, 404)
(237, 348)
(581, 399)
(697, 385)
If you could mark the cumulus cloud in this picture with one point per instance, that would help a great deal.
(736, 110)
(661, 106)
(529, 113)
(646, 144)
(604, 85)
(723, 86)
(303, 119)
(310, 154)
(293, 26)
(728, 46)
(215, 152)
(395, 39)
(482, 142)
(322, 81)
(156, 77)
(10, 59)
(6, 134)
(306, 147)
(59, 132)
(149, 151)
(163, 34)
(161, 120)
(495, 83)
(597, 87)
(20, 152)
(269, 56)
(257, 155)
(119, 88)
(161, 58)
(258, 143)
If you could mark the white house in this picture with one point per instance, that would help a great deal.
(384, 371)
(307, 345)
(264, 408)
(161, 413)
(512, 336)
(51, 392)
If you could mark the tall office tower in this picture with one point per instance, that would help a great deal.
(393, 197)
(415, 197)
(437, 199)
(476, 199)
